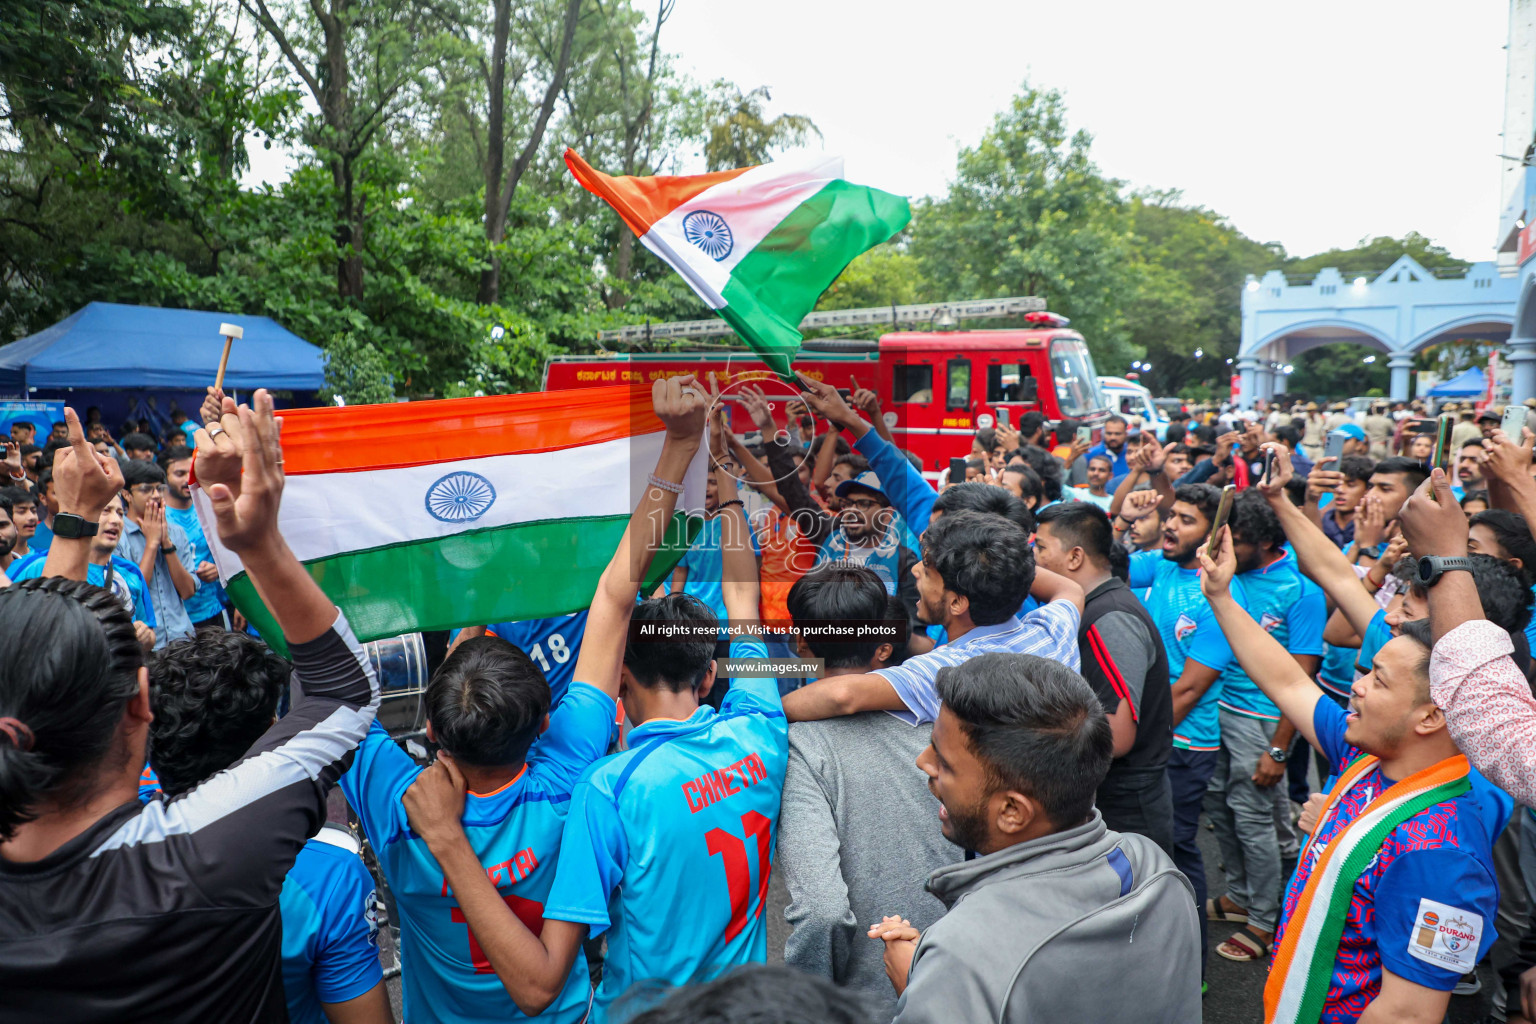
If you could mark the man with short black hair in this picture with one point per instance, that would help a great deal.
(159, 548)
(976, 571)
(856, 829)
(23, 510)
(138, 447)
(23, 432)
(7, 540)
(1394, 898)
(1114, 435)
(206, 605)
(1019, 749)
(1124, 661)
(1469, 468)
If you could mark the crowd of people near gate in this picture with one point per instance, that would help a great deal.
(1054, 672)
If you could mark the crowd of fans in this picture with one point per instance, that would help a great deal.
(1049, 674)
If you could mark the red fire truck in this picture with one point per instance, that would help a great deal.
(936, 386)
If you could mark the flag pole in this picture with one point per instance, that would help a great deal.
(230, 332)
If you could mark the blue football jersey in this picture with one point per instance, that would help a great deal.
(1293, 610)
(330, 927)
(668, 844)
(515, 831)
(1189, 631)
(552, 644)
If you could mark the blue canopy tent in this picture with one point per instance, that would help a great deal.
(106, 345)
(1468, 384)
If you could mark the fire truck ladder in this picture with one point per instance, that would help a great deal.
(942, 315)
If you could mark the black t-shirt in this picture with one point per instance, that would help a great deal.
(167, 912)
(1123, 659)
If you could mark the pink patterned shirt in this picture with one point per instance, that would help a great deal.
(1487, 704)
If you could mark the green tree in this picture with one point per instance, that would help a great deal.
(887, 275)
(1030, 214)
(1184, 312)
(1373, 255)
(739, 132)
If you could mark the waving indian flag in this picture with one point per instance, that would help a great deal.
(432, 515)
(759, 244)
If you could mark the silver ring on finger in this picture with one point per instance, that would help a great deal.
(214, 432)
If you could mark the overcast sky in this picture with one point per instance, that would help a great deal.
(1314, 124)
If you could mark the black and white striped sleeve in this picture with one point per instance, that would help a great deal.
(239, 831)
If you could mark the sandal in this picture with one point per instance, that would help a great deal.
(1243, 947)
(1215, 912)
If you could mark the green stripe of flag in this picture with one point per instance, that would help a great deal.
(502, 574)
(776, 284)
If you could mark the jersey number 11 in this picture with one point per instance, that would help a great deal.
(738, 876)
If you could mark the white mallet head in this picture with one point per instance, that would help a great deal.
(232, 330)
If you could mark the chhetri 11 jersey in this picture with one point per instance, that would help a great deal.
(669, 843)
(516, 833)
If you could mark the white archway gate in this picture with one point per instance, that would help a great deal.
(1400, 311)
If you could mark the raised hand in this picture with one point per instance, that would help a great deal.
(240, 466)
(681, 405)
(84, 481)
(213, 406)
(1509, 462)
(1434, 525)
(865, 400)
(1139, 505)
(207, 572)
(12, 461)
(825, 400)
(1008, 439)
(1323, 481)
(1280, 473)
(1216, 573)
(758, 408)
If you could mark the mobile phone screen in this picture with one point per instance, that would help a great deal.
(1269, 463)
(957, 471)
(1222, 512)
(1443, 443)
(1514, 422)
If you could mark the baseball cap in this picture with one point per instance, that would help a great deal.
(866, 481)
(1489, 414)
(1353, 430)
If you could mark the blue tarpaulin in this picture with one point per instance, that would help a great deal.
(1467, 384)
(108, 345)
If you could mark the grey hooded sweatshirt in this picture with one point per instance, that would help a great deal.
(1085, 926)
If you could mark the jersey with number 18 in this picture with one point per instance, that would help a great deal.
(668, 844)
(515, 831)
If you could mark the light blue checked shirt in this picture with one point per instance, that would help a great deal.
(1049, 631)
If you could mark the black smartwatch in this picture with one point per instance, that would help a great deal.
(1432, 567)
(72, 527)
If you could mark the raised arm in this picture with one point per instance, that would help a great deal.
(1262, 657)
(1317, 556)
(84, 482)
(681, 405)
(739, 585)
(826, 458)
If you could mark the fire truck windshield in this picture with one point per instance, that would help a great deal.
(1077, 383)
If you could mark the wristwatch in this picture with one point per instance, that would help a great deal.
(1432, 567)
(72, 527)
(1278, 754)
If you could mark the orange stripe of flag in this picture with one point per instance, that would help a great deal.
(644, 201)
(364, 437)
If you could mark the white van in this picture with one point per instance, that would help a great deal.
(1128, 398)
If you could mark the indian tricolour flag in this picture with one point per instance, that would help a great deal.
(759, 244)
(433, 515)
